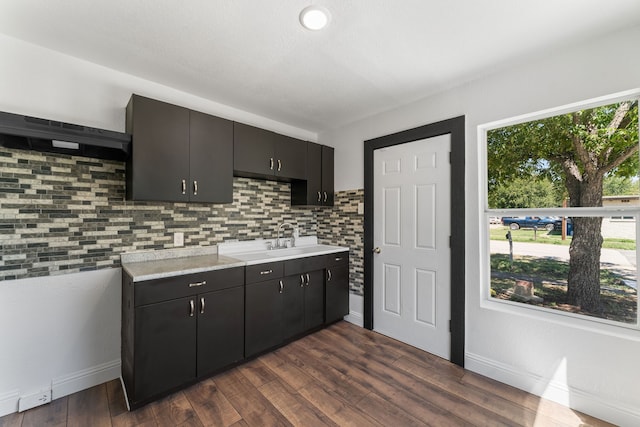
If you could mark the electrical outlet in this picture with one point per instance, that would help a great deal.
(35, 399)
(178, 239)
(360, 208)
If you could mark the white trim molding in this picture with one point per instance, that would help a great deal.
(9, 402)
(551, 389)
(84, 379)
(356, 305)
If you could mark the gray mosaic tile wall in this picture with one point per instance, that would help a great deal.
(343, 226)
(62, 214)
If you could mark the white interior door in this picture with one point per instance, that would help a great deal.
(412, 291)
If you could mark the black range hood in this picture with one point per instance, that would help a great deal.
(31, 133)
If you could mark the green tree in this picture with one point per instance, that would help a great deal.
(620, 186)
(576, 150)
(526, 193)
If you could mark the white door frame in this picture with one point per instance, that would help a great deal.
(456, 128)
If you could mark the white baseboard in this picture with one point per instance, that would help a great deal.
(9, 402)
(355, 318)
(356, 310)
(87, 378)
(613, 412)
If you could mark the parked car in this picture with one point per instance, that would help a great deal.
(516, 223)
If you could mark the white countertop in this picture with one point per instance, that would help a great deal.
(150, 265)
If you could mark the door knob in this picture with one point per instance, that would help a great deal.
(376, 250)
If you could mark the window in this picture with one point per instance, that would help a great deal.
(561, 181)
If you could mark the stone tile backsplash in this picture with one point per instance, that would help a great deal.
(62, 214)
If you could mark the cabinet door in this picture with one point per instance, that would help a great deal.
(327, 176)
(160, 151)
(220, 329)
(337, 293)
(253, 151)
(211, 159)
(291, 158)
(314, 299)
(293, 306)
(314, 174)
(263, 316)
(165, 346)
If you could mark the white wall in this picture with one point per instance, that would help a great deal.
(592, 368)
(63, 332)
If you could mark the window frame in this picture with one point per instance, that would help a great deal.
(528, 310)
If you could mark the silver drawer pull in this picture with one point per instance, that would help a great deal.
(307, 278)
(319, 197)
(262, 273)
(202, 305)
(191, 308)
(193, 285)
(338, 258)
(195, 188)
(271, 163)
(325, 197)
(281, 286)
(328, 275)
(279, 165)
(301, 280)
(184, 186)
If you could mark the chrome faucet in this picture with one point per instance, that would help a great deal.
(293, 239)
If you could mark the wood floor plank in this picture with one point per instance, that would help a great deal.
(293, 406)
(288, 372)
(342, 375)
(257, 372)
(53, 414)
(332, 379)
(253, 407)
(211, 405)
(335, 408)
(89, 408)
(175, 410)
(12, 420)
(396, 393)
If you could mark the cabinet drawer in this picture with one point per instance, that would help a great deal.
(304, 265)
(262, 272)
(338, 259)
(152, 291)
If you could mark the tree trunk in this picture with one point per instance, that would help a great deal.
(586, 245)
(584, 263)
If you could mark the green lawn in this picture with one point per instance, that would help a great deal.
(549, 277)
(553, 238)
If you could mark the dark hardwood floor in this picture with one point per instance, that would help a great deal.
(343, 375)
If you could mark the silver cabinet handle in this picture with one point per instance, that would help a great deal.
(338, 258)
(328, 275)
(319, 197)
(195, 188)
(202, 305)
(262, 273)
(271, 163)
(194, 285)
(281, 286)
(307, 278)
(191, 308)
(279, 165)
(325, 197)
(184, 186)
(301, 281)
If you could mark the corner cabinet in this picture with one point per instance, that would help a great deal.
(259, 153)
(318, 189)
(178, 155)
(178, 329)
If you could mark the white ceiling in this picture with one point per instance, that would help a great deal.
(254, 55)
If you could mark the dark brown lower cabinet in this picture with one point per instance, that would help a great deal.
(337, 287)
(178, 329)
(263, 329)
(165, 353)
(303, 303)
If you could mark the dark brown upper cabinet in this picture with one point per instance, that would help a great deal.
(317, 190)
(178, 155)
(259, 153)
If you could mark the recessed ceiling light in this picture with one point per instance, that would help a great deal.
(314, 17)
